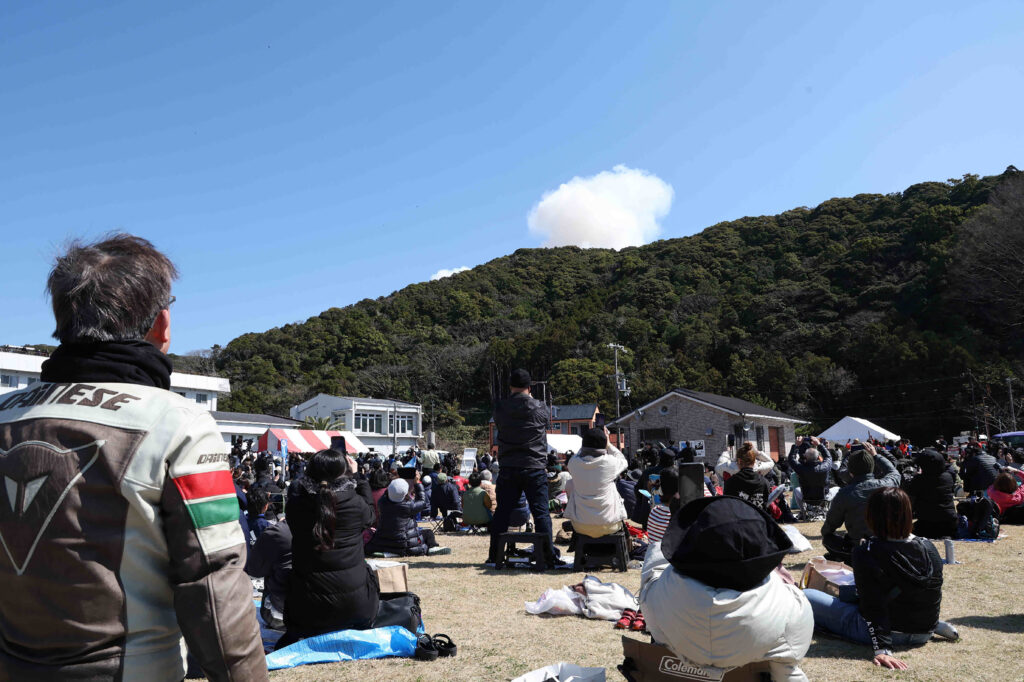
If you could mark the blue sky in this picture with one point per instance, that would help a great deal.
(291, 157)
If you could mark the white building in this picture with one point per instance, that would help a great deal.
(21, 367)
(372, 420)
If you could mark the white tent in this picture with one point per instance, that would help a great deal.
(564, 442)
(849, 428)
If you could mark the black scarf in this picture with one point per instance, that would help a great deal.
(124, 362)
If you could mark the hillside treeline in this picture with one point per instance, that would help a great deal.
(902, 308)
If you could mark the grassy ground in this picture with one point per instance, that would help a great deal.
(483, 612)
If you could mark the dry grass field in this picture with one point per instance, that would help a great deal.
(483, 612)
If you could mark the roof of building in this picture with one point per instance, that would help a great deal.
(370, 401)
(252, 418)
(735, 406)
(585, 411)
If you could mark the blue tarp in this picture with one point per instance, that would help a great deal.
(345, 645)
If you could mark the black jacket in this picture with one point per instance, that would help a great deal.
(899, 584)
(271, 558)
(445, 496)
(521, 423)
(397, 532)
(980, 472)
(335, 589)
(748, 485)
(931, 493)
(814, 478)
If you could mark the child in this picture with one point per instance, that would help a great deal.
(662, 512)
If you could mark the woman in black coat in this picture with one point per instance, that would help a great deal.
(397, 532)
(331, 586)
(931, 494)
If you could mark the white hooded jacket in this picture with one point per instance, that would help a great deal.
(724, 628)
(593, 498)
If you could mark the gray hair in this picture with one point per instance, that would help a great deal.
(485, 474)
(111, 290)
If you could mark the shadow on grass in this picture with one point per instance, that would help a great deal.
(1013, 623)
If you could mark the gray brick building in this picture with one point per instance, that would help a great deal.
(685, 415)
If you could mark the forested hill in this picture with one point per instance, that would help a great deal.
(880, 306)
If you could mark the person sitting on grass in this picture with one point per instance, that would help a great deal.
(595, 507)
(747, 484)
(1008, 494)
(476, 503)
(711, 591)
(398, 533)
(661, 513)
(931, 496)
(331, 586)
(899, 585)
(259, 503)
(848, 506)
(271, 559)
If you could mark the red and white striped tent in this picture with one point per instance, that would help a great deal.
(306, 441)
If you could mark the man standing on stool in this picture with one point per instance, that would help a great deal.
(521, 422)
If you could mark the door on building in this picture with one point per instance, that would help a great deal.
(774, 442)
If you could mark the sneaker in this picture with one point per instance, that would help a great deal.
(439, 550)
(946, 631)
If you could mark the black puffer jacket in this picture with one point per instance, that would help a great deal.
(397, 532)
(335, 589)
(899, 584)
(980, 472)
(931, 493)
(522, 423)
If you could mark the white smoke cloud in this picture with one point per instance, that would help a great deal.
(441, 274)
(613, 209)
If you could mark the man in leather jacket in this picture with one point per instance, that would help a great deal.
(120, 523)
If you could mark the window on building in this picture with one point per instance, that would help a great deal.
(32, 380)
(181, 393)
(406, 423)
(655, 435)
(8, 381)
(340, 419)
(202, 398)
(369, 422)
(581, 429)
(760, 439)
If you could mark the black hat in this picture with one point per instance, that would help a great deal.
(860, 462)
(595, 438)
(725, 542)
(519, 378)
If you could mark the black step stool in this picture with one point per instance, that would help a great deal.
(537, 560)
(617, 542)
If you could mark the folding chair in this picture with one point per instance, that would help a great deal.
(448, 523)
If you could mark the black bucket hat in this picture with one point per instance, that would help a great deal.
(725, 542)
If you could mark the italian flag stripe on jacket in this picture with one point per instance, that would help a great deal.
(209, 497)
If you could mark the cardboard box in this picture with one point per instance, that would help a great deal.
(655, 663)
(392, 575)
(815, 577)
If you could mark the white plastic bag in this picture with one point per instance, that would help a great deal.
(560, 602)
(800, 543)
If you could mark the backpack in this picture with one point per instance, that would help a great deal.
(982, 516)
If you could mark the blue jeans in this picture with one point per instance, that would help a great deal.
(843, 619)
(511, 484)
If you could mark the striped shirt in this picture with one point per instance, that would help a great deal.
(657, 522)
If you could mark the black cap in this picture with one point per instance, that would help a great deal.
(724, 542)
(519, 378)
